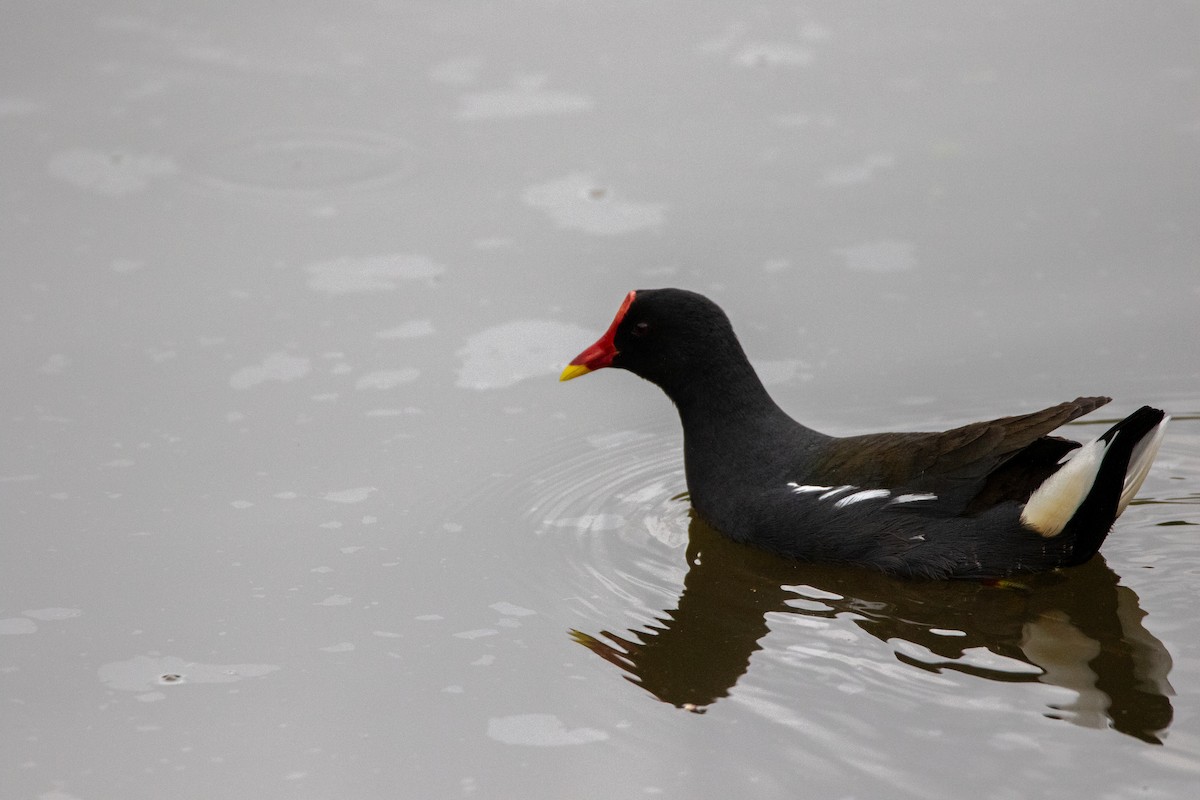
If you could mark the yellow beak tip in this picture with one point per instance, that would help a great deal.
(573, 371)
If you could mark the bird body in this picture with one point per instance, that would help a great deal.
(988, 499)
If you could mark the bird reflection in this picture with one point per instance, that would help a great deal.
(1078, 629)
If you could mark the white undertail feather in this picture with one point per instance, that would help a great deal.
(1139, 463)
(1052, 504)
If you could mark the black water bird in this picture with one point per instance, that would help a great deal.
(985, 500)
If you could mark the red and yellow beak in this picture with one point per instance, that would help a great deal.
(600, 354)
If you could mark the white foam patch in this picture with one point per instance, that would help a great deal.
(55, 364)
(863, 172)
(387, 378)
(506, 354)
(145, 673)
(379, 273)
(356, 495)
(527, 97)
(53, 614)
(773, 54)
(774, 373)
(578, 202)
(456, 71)
(114, 174)
(18, 107)
(275, 367)
(58, 794)
(15, 626)
(413, 329)
(540, 730)
(511, 609)
(478, 633)
(124, 266)
(590, 522)
(883, 257)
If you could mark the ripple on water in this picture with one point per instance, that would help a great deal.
(289, 166)
(629, 483)
(608, 513)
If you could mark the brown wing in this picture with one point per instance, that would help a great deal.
(956, 462)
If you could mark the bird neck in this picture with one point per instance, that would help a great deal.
(734, 436)
(726, 399)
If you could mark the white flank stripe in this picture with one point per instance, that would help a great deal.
(858, 497)
(798, 489)
(1052, 504)
(1139, 463)
(914, 498)
(836, 491)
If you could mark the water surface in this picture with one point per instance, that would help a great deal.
(294, 506)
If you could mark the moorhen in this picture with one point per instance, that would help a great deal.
(986, 500)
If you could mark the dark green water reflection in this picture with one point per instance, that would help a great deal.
(1079, 629)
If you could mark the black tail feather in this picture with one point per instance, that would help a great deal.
(1095, 516)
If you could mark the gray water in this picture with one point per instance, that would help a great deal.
(293, 505)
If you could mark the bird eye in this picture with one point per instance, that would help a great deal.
(641, 329)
